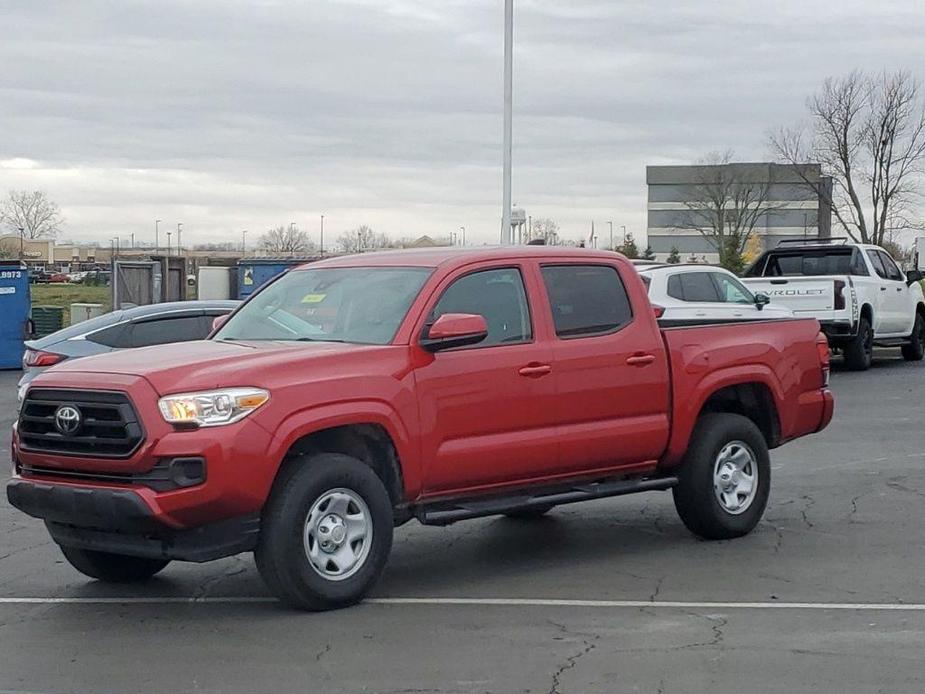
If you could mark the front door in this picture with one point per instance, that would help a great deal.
(899, 298)
(487, 411)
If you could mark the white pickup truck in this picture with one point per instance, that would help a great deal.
(856, 291)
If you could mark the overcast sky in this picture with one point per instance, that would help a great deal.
(228, 115)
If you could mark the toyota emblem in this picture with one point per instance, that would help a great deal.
(67, 419)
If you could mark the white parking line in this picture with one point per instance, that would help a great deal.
(490, 602)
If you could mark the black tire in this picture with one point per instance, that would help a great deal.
(281, 555)
(694, 496)
(860, 351)
(915, 350)
(529, 513)
(112, 568)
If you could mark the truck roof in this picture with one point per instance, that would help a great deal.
(456, 256)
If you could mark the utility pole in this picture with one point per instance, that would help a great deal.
(179, 238)
(463, 230)
(133, 240)
(168, 242)
(157, 245)
(322, 236)
(22, 243)
(610, 224)
(508, 115)
(623, 226)
(244, 243)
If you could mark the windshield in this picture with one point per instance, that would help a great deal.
(360, 305)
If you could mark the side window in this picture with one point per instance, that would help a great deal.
(674, 288)
(160, 332)
(858, 267)
(498, 296)
(117, 336)
(892, 271)
(586, 299)
(731, 290)
(877, 263)
(697, 286)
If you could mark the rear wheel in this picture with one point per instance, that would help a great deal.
(915, 350)
(112, 568)
(326, 532)
(860, 351)
(725, 478)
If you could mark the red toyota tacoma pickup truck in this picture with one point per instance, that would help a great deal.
(354, 394)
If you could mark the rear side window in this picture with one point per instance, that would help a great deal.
(693, 286)
(877, 263)
(586, 299)
(496, 295)
(160, 332)
(116, 336)
(892, 272)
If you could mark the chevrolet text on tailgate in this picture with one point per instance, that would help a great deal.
(354, 394)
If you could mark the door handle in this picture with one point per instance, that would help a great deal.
(899, 289)
(640, 359)
(535, 370)
(882, 289)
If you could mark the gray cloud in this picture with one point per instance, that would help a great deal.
(231, 115)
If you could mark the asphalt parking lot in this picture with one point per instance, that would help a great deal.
(827, 595)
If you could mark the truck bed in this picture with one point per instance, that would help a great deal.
(776, 358)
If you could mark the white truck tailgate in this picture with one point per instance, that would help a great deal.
(814, 295)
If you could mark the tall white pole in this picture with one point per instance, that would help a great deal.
(506, 235)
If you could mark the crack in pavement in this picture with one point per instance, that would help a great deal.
(658, 589)
(203, 588)
(324, 651)
(572, 660)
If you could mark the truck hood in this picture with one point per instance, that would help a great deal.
(205, 364)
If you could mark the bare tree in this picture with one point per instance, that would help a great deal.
(546, 229)
(31, 213)
(363, 238)
(868, 133)
(284, 240)
(725, 203)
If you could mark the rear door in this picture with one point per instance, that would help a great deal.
(487, 411)
(609, 365)
(899, 298)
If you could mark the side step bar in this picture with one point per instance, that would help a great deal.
(444, 513)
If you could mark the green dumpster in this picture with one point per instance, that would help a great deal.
(47, 319)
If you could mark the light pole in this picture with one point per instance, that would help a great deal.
(22, 243)
(157, 245)
(623, 226)
(133, 240)
(179, 238)
(508, 114)
(244, 243)
(168, 242)
(322, 235)
(610, 224)
(463, 230)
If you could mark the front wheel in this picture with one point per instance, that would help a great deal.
(725, 478)
(326, 532)
(112, 568)
(915, 350)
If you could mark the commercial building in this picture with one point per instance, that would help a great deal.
(796, 197)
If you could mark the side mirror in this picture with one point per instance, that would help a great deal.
(218, 322)
(914, 276)
(455, 330)
(762, 300)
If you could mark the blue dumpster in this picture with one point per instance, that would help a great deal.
(254, 272)
(15, 303)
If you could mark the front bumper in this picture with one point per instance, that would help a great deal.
(118, 521)
(142, 504)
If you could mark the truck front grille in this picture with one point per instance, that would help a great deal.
(105, 424)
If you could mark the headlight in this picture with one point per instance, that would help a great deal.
(212, 408)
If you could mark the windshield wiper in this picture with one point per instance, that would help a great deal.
(318, 339)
